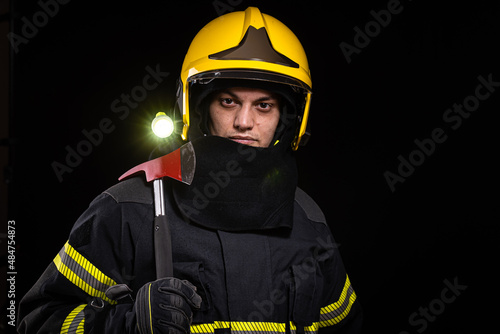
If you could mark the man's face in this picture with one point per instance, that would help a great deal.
(246, 115)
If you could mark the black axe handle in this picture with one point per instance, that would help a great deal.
(163, 248)
(162, 236)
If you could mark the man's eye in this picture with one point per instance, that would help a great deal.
(226, 101)
(265, 105)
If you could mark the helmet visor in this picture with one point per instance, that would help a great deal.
(248, 74)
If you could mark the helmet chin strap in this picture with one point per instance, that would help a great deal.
(285, 130)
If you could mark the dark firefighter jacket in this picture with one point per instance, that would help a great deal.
(283, 280)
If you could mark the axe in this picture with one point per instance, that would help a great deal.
(178, 165)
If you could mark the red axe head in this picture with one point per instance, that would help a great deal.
(179, 165)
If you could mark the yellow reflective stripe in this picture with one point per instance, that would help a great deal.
(222, 324)
(334, 313)
(254, 327)
(308, 329)
(240, 326)
(73, 324)
(329, 315)
(202, 328)
(82, 273)
(150, 315)
(209, 328)
(313, 328)
(265, 327)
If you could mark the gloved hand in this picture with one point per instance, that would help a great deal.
(165, 306)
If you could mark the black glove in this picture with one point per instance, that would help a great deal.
(165, 306)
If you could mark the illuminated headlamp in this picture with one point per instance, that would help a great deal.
(162, 125)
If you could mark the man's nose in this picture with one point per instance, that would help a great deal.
(244, 118)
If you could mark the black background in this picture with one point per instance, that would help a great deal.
(398, 246)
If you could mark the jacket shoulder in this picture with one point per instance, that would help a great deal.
(135, 190)
(312, 210)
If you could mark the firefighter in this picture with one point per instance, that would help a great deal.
(252, 253)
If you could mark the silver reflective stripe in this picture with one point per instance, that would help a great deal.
(83, 273)
(334, 313)
(74, 322)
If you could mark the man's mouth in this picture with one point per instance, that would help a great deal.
(246, 140)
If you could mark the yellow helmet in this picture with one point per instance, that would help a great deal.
(246, 45)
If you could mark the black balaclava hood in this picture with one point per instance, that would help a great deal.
(238, 187)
